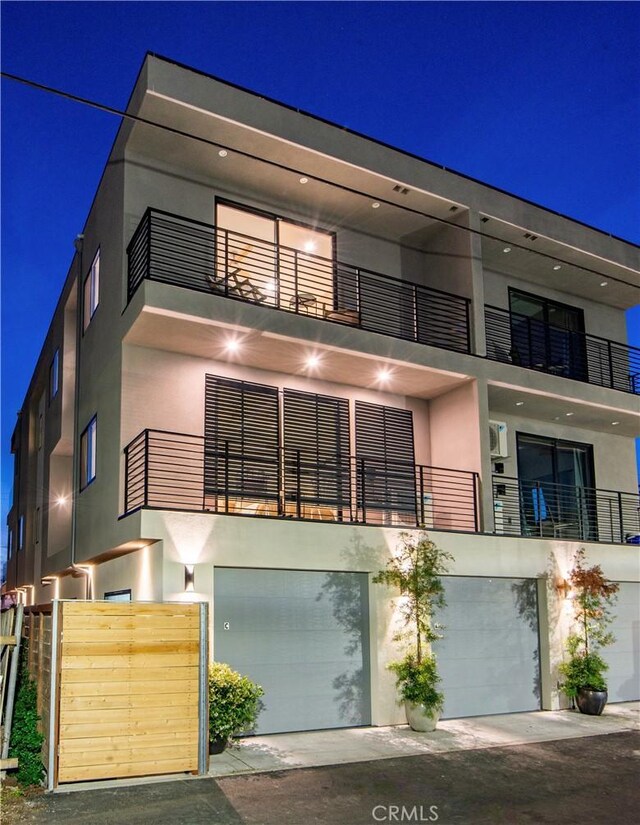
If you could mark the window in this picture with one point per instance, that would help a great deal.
(40, 431)
(21, 533)
(54, 376)
(88, 454)
(91, 291)
(118, 596)
(9, 543)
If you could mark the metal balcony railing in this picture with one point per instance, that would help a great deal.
(549, 510)
(526, 342)
(174, 471)
(198, 256)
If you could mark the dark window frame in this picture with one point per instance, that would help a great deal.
(109, 594)
(54, 375)
(84, 470)
(94, 293)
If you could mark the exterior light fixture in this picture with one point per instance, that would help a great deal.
(232, 346)
(375, 205)
(614, 423)
(519, 403)
(557, 267)
(604, 283)
(312, 361)
(223, 153)
(62, 500)
(507, 249)
(568, 414)
(189, 578)
(383, 375)
(310, 246)
(304, 180)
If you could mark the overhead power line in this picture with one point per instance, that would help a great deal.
(103, 107)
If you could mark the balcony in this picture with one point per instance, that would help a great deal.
(549, 510)
(527, 342)
(174, 471)
(215, 261)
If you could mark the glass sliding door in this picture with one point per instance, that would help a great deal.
(270, 260)
(556, 487)
(547, 335)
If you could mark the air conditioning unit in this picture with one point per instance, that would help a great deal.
(498, 439)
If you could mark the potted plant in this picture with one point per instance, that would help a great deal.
(234, 705)
(416, 568)
(584, 671)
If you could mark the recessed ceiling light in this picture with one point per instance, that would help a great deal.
(557, 267)
(310, 246)
(568, 414)
(232, 345)
(304, 180)
(507, 249)
(519, 403)
(383, 375)
(603, 283)
(312, 361)
(375, 205)
(614, 423)
(223, 153)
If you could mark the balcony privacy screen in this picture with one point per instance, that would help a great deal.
(316, 439)
(385, 457)
(241, 439)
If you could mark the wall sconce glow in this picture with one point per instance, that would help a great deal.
(375, 205)
(568, 414)
(557, 267)
(189, 578)
(223, 153)
(304, 180)
(604, 283)
(62, 500)
(614, 423)
(507, 249)
(563, 588)
(519, 403)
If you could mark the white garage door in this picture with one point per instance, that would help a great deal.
(303, 636)
(623, 657)
(489, 657)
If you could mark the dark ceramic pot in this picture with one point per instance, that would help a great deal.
(218, 744)
(591, 702)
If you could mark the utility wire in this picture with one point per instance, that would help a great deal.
(103, 107)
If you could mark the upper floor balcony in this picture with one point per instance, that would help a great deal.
(177, 471)
(519, 339)
(217, 261)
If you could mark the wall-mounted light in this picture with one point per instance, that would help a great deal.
(563, 587)
(189, 578)
(223, 153)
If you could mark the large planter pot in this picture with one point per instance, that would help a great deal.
(421, 718)
(218, 744)
(591, 702)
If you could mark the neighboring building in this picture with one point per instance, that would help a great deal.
(281, 344)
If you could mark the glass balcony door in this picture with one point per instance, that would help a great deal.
(546, 335)
(556, 484)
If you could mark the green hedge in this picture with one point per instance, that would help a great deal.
(26, 740)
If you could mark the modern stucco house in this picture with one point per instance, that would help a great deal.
(281, 343)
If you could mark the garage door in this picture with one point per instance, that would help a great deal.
(623, 657)
(303, 636)
(489, 657)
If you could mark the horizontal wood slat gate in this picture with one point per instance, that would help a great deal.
(131, 690)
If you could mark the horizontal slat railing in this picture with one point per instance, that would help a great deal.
(533, 508)
(517, 339)
(174, 471)
(198, 256)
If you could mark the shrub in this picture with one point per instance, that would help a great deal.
(26, 740)
(417, 682)
(234, 702)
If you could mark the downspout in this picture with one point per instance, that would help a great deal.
(79, 245)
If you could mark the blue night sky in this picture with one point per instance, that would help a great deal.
(540, 99)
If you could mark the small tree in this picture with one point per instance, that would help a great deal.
(416, 569)
(594, 595)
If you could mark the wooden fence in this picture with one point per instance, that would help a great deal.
(37, 632)
(122, 688)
